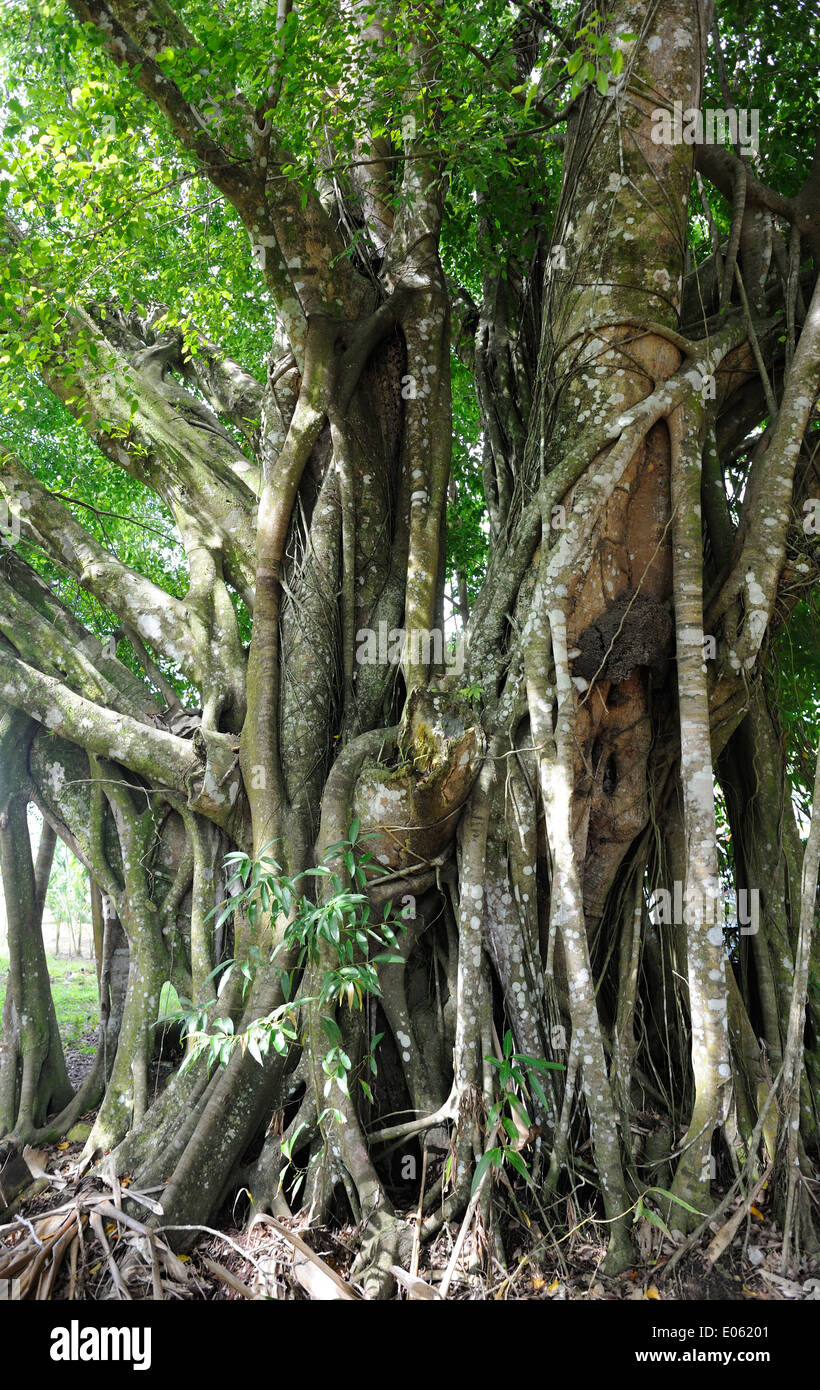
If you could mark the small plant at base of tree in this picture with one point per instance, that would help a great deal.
(341, 922)
(509, 1116)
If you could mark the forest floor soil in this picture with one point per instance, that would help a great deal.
(230, 1261)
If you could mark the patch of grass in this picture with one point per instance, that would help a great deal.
(76, 1001)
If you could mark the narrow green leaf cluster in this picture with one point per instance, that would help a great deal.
(338, 934)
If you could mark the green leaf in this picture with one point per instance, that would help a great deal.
(230, 962)
(517, 1162)
(656, 1220)
(511, 1128)
(332, 1031)
(491, 1157)
(539, 1063)
(537, 1088)
(673, 1198)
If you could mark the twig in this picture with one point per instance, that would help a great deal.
(727, 1233)
(220, 1235)
(99, 1231)
(723, 1207)
(414, 1261)
(131, 1195)
(24, 1221)
(156, 1275)
(346, 1290)
(755, 346)
(381, 1136)
(113, 1213)
(228, 1278)
(468, 1216)
(462, 1236)
(72, 1265)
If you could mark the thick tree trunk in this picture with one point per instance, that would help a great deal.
(33, 1079)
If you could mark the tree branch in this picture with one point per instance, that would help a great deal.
(767, 505)
(159, 618)
(161, 757)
